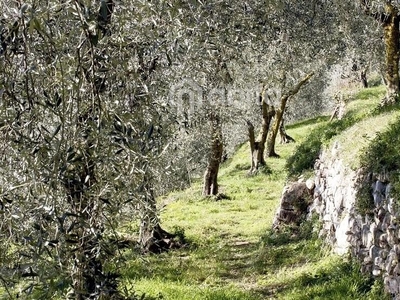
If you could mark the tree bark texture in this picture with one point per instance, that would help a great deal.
(152, 238)
(210, 186)
(257, 146)
(391, 37)
(285, 138)
(279, 115)
(253, 147)
(390, 23)
(268, 112)
(363, 77)
(87, 271)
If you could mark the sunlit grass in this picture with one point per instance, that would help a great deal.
(232, 252)
(357, 137)
(363, 119)
(224, 258)
(183, 291)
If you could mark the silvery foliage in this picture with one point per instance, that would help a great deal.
(83, 128)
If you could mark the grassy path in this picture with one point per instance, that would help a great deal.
(226, 258)
(233, 255)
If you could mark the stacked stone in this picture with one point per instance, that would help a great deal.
(374, 239)
(334, 199)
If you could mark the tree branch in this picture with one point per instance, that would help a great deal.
(296, 88)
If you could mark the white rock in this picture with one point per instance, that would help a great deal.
(310, 184)
(338, 200)
(342, 244)
(376, 272)
(392, 284)
(387, 190)
(374, 252)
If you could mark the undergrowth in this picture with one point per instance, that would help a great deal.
(232, 252)
(364, 105)
(339, 279)
(323, 276)
(381, 157)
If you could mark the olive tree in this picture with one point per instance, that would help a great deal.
(82, 136)
(298, 43)
(212, 37)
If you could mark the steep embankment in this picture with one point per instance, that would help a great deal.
(356, 179)
(232, 252)
(356, 194)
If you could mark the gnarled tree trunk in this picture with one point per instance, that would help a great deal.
(363, 77)
(257, 146)
(86, 230)
(253, 147)
(390, 23)
(275, 129)
(268, 112)
(152, 238)
(210, 186)
(279, 115)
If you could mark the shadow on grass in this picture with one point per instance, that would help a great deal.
(243, 169)
(341, 279)
(291, 246)
(214, 268)
(229, 260)
(195, 264)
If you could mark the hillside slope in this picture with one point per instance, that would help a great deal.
(232, 253)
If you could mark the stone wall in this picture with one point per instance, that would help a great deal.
(373, 239)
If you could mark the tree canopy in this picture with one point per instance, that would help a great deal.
(107, 104)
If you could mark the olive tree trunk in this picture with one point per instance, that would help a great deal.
(85, 232)
(257, 146)
(210, 186)
(279, 115)
(285, 138)
(152, 238)
(363, 77)
(391, 38)
(390, 23)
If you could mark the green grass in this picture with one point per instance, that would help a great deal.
(366, 138)
(232, 252)
(380, 156)
(362, 120)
